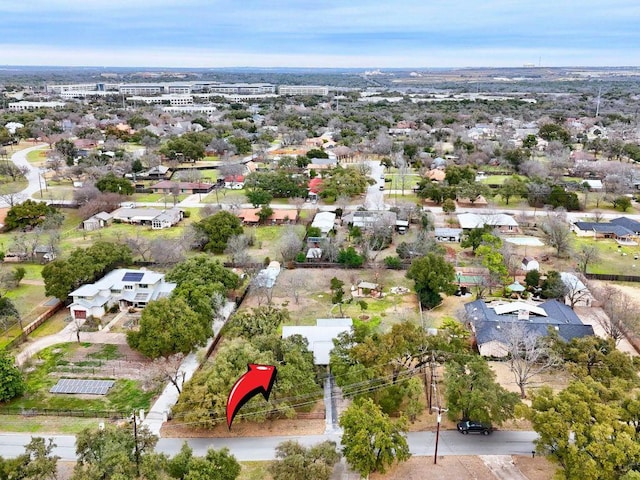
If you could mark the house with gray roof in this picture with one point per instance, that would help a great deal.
(616, 231)
(320, 337)
(491, 322)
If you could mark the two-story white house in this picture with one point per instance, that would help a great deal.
(123, 287)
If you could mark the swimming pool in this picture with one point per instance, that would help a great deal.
(528, 241)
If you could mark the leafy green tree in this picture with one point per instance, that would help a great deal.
(472, 190)
(492, 259)
(448, 206)
(111, 452)
(218, 228)
(337, 292)
(182, 148)
(169, 326)
(215, 465)
(294, 461)
(515, 157)
(553, 131)
(559, 197)
(67, 149)
(84, 265)
(472, 392)
(553, 286)
(347, 181)
(371, 442)
(262, 320)
(111, 183)
(532, 278)
(27, 214)
(203, 399)
(350, 258)
(529, 142)
(36, 463)
(455, 174)
(432, 275)
(259, 197)
(580, 428)
(622, 203)
(12, 383)
(243, 145)
(474, 237)
(264, 213)
(280, 183)
(514, 186)
(317, 153)
(203, 282)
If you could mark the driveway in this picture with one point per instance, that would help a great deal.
(35, 180)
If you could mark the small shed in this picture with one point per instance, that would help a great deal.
(366, 289)
(530, 263)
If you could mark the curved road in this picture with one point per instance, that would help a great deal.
(33, 175)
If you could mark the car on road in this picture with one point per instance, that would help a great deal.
(470, 426)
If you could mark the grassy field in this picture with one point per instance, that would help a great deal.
(26, 298)
(159, 198)
(37, 156)
(225, 196)
(50, 425)
(613, 260)
(7, 185)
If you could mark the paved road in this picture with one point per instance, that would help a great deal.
(263, 448)
(33, 175)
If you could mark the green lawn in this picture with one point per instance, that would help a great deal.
(225, 196)
(613, 260)
(26, 298)
(52, 325)
(8, 185)
(47, 425)
(159, 198)
(37, 156)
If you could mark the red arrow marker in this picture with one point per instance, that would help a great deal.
(259, 379)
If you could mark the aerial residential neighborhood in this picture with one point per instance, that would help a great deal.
(416, 254)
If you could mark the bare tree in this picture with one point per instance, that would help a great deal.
(139, 245)
(237, 249)
(168, 251)
(296, 283)
(528, 354)
(290, 245)
(586, 255)
(170, 368)
(190, 175)
(12, 199)
(299, 203)
(557, 233)
(621, 311)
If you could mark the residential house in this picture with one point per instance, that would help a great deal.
(325, 221)
(167, 186)
(503, 222)
(627, 223)
(617, 232)
(155, 218)
(491, 323)
(97, 221)
(234, 182)
(367, 220)
(320, 337)
(315, 185)
(123, 288)
(249, 216)
(44, 254)
(447, 234)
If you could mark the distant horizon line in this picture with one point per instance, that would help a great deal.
(247, 67)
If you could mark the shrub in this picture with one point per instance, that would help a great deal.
(393, 262)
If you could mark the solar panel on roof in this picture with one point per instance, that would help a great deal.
(132, 277)
(71, 385)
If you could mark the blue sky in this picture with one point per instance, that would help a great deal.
(297, 33)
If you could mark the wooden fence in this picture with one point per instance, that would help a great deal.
(32, 412)
(613, 277)
(36, 323)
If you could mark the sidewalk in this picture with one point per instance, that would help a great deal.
(160, 410)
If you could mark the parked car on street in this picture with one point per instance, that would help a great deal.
(469, 426)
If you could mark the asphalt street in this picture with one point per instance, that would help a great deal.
(263, 448)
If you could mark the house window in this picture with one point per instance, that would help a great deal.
(80, 314)
(128, 287)
(143, 285)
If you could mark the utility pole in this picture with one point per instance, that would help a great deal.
(440, 412)
(135, 436)
(432, 384)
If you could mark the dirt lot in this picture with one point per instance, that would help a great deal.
(91, 362)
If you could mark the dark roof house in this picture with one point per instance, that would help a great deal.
(490, 323)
